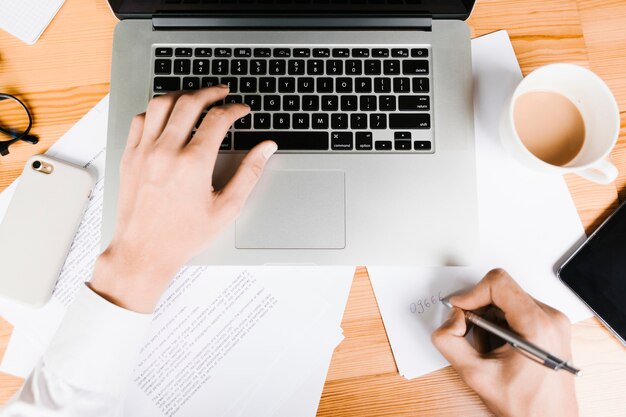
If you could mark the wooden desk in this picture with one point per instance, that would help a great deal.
(67, 71)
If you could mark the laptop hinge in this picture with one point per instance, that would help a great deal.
(162, 22)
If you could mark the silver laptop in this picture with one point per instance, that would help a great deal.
(370, 103)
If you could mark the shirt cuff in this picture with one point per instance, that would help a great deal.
(97, 344)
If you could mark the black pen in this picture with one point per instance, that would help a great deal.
(524, 346)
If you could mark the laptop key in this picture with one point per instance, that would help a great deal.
(286, 141)
(334, 67)
(295, 67)
(319, 120)
(182, 52)
(300, 121)
(414, 103)
(321, 53)
(344, 85)
(380, 53)
(349, 103)
(243, 52)
(209, 81)
(421, 85)
(415, 67)
(223, 52)
(363, 141)
(330, 103)
(258, 67)
(235, 98)
(315, 67)
(339, 121)
(368, 103)
(372, 67)
(239, 67)
(301, 52)
(191, 83)
(231, 82)
(219, 67)
(262, 121)
(282, 52)
(310, 103)
(341, 52)
(262, 52)
(409, 121)
(402, 145)
(383, 145)
(287, 85)
(271, 102)
(358, 121)
(378, 121)
(291, 103)
(401, 85)
(162, 66)
(387, 103)
(362, 85)
(202, 52)
(244, 123)
(201, 66)
(166, 84)
(354, 67)
(227, 142)
(324, 85)
(281, 121)
(248, 85)
(421, 145)
(306, 85)
(360, 53)
(254, 101)
(162, 52)
(400, 52)
(341, 141)
(182, 66)
(278, 67)
(419, 52)
(267, 85)
(382, 85)
(391, 66)
(401, 135)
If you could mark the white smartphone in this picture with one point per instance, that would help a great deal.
(39, 226)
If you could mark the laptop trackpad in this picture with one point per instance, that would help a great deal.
(295, 209)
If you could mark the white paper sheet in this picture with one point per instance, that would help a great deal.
(27, 19)
(528, 222)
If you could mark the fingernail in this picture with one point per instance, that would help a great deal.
(269, 150)
(223, 86)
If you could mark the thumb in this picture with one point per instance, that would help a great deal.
(449, 339)
(234, 194)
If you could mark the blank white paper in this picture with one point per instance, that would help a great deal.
(27, 19)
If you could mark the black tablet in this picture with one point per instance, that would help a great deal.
(596, 272)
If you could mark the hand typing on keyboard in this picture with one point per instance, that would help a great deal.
(168, 210)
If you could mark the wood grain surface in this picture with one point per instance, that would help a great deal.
(67, 71)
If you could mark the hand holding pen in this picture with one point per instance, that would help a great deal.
(509, 383)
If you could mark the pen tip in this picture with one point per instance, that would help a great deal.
(446, 303)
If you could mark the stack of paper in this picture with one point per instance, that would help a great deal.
(27, 19)
(528, 222)
(238, 341)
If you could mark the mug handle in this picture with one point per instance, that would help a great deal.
(603, 172)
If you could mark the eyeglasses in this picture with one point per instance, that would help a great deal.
(15, 122)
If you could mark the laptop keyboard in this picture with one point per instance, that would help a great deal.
(322, 99)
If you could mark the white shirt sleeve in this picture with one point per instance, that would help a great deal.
(87, 365)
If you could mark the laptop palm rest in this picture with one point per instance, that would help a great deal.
(295, 209)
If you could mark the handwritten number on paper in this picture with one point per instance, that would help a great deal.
(422, 305)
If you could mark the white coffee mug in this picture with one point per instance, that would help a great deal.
(597, 107)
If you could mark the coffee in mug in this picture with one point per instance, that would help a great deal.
(562, 118)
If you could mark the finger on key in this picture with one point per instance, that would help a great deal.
(186, 112)
(157, 114)
(214, 126)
